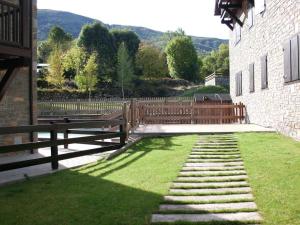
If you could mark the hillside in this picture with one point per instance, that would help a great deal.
(72, 23)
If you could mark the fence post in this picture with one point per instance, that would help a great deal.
(192, 113)
(132, 119)
(125, 118)
(54, 149)
(66, 133)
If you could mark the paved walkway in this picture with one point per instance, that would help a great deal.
(43, 169)
(200, 129)
(211, 187)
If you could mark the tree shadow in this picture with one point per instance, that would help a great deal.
(135, 153)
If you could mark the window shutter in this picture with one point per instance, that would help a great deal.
(250, 15)
(241, 83)
(295, 58)
(260, 6)
(287, 62)
(264, 72)
(251, 77)
(236, 83)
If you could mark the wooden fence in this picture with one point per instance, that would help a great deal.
(190, 113)
(148, 111)
(95, 137)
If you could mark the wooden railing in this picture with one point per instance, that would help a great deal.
(190, 113)
(157, 111)
(15, 23)
(95, 137)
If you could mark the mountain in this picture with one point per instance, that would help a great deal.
(72, 23)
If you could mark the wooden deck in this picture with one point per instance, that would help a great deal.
(199, 129)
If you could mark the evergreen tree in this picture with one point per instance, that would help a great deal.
(125, 69)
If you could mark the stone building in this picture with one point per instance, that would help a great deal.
(264, 60)
(18, 26)
(217, 80)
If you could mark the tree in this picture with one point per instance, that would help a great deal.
(216, 61)
(58, 38)
(87, 79)
(44, 49)
(151, 62)
(125, 69)
(75, 61)
(169, 35)
(130, 39)
(55, 75)
(97, 38)
(182, 59)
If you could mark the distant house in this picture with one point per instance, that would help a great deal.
(216, 79)
(264, 60)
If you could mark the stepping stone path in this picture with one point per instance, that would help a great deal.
(212, 187)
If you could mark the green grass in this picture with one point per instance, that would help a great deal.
(273, 165)
(205, 90)
(123, 191)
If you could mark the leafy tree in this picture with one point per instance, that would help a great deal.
(182, 59)
(216, 61)
(87, 79)
(55, 75)
(75, 61)
(130, 39)
(44, 49)
(125, 69)
(151, 62)
(58, 38)
(97, 38)
(169, 35)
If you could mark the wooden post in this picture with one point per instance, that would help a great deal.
(123, 135)
(125, 120)
(132, 120)
(66, 133)
(192, 113)
(54, 150)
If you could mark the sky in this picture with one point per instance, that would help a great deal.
(195, 17)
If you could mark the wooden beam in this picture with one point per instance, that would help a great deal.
(7, 79)
(5, 49)
(234, 17)
(12, 67)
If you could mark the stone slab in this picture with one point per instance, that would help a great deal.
(208, 198)
(210, 217)
(212, 179)
(209, 207)
(211, 191)
(209, 184)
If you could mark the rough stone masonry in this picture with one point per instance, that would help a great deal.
(278, 106)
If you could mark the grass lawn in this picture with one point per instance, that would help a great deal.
(124, 191)
(273, 165)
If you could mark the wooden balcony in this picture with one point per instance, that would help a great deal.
(228, 10)
(15, 29)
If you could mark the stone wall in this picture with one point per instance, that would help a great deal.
(279, 105)
(217, 80)
(15, 107)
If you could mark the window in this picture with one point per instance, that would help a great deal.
(250, 14)
(264, 72)
(260, 6)
(292, 59)
(251, 78)
(238, 84)
(238, 31)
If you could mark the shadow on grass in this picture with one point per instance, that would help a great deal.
(84, 197)
(135, 153)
